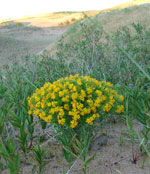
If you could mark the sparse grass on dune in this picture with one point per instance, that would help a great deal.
(110, 21)
(57, 18)
(19, 39)
(126, 5)
(52, 19)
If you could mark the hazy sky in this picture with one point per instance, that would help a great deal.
(19, 8)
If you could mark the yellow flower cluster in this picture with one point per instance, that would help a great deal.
(75, 100)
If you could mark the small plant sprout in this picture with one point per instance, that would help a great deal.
(10, 155)
(40, 154)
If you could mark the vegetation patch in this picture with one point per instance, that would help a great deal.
(50, 114)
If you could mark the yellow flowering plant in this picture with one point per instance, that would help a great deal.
(73, 104)
(75, 101)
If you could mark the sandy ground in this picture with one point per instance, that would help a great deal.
(114, 155)
(16, 41)
(30, 35)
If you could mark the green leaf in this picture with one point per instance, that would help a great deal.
(90, 159)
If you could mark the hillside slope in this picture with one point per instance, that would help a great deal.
(51, 19)
(110, 21)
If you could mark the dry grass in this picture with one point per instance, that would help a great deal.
(51, 19)
(54, 19)
(126, 5)
(111, 21)
(137, 14)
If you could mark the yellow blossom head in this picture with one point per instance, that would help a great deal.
(74, 101)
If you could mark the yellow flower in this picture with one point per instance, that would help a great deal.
(61, 113)
(85, 110)
(49, 104)
(52, 111)
(90, 102)
(104, 97)
(120, 109)
(97, 115)
(89, 90)
(61, 121)
(70, 86)
(70, 113)
(66, 107)
(112, 100)
(29, 100)
(89, 120)
(112, 91)
(89, 110)
(37, 99)
(74, 96)
(94, 116)
(73, 124)
(97, 102)
(36, 90)
(107, 107)
(74, 89)
(36, 112)
(53, 96)
(93, 109)
(121, 98)
(42, 105)
(38, 105)
(29, 112)
(109, 84)
(107, 89)
(56, 89)
(80, 106)
(61, 93)
(82, 113)
(65, 99)
(42, 115)
(76, 117)
(48, 118)
(54, 104)
(79, 82)
(42, 92)
(83, 93)
(98, 92)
